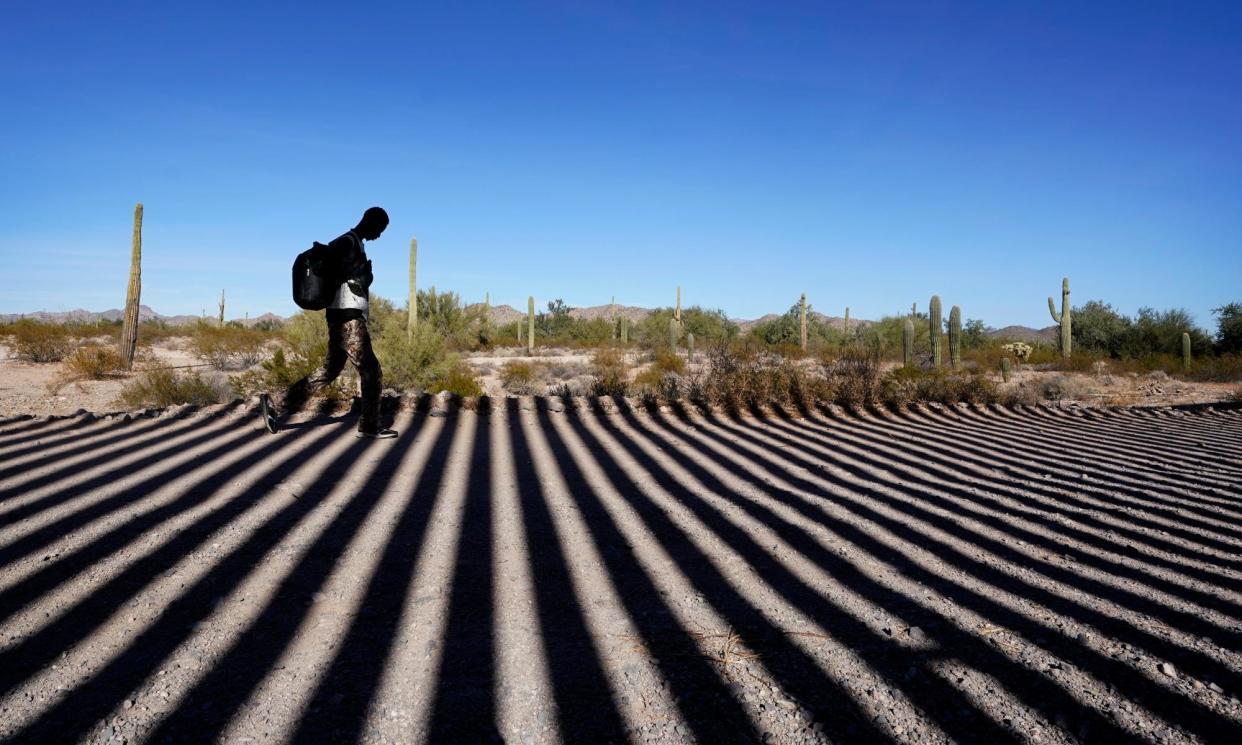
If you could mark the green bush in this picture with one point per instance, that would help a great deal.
(611, 373)
(520, 378)
(226, 347)
(35, 341)
(159, 388)
(1229, 328)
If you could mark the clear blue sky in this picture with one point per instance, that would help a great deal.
(747, 151)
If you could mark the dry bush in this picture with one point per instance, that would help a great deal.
(1061, 387)
(904, 385)
(35, 341)
(458, 379)
(227, 347)
(521, 378)
(855, 379)
(166, 388)
(91, 362)
(664, 364)
(610, 372)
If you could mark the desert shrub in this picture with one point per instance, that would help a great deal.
(708, 326)
(412, 361)
(456, 377)
(1228, 328)
(520, 378)
(161, 387)
(226, 347)
(610, 373)
(664, 362)
(304, 347)
(35, 341)
(906, 385)
(91, 362)
(856, 378)
(1060, 388)
(1020, 351)
(786, 331)
(1225, 368)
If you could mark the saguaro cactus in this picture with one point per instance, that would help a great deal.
(1006, 369)
(625, 329)
(413, 319)
(907, 343)
(690, 345)
(129, 328)
(802, 321)
(1063, 318)
(1185, 351)
(936, 326)
(955, 336)
(530, 324)
(914, 310)
(847, 322)
(221, 307)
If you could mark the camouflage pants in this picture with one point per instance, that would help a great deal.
(347, 340)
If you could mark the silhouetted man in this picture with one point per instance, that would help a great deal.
(348, 338)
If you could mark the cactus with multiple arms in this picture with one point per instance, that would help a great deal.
(1063, 318)
(955, 337)
(1185, 351)
(129, 329)
(907, 343)
(936, 327)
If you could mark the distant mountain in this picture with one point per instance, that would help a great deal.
(113, 315)
(1051, 334)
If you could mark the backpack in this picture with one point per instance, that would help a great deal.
(314, 277)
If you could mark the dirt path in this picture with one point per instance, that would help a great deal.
(948, 574)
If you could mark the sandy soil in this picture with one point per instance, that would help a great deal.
(541, 574)
(27, 388)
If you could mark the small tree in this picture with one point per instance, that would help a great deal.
(1228, 328)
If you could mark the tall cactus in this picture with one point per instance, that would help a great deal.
(914, 310)
(907, 343)
(955, 337)
(677, 312)
(413, 312)
(1063, 318)
(530, 324)
(802, 321)
(936, 326)
(129, 329)
(1006, 369)
(1185, 352)
(847, 322)
(625, 330)
(222, 307)
(690, 346)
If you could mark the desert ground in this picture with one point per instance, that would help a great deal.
(534, 570)
(39, 389)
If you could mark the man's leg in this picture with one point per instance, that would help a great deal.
(298, 393)
(357, 344)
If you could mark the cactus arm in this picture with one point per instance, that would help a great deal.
(1052, 311)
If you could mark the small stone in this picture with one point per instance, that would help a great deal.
(1168, 669)
(916, 634)
(1216, 688)
(129, 703)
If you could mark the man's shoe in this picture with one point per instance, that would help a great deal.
(383, 434)
(268, 411)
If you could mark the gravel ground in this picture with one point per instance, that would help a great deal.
(537, 574)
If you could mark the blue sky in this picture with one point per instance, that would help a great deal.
(869, 156)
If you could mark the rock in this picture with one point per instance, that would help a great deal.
(1168, 669)
(1216, 688)
(555, 404)
(916, 634)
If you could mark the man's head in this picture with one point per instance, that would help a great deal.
(372, 224)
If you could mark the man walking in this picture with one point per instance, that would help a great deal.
(348, 338)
